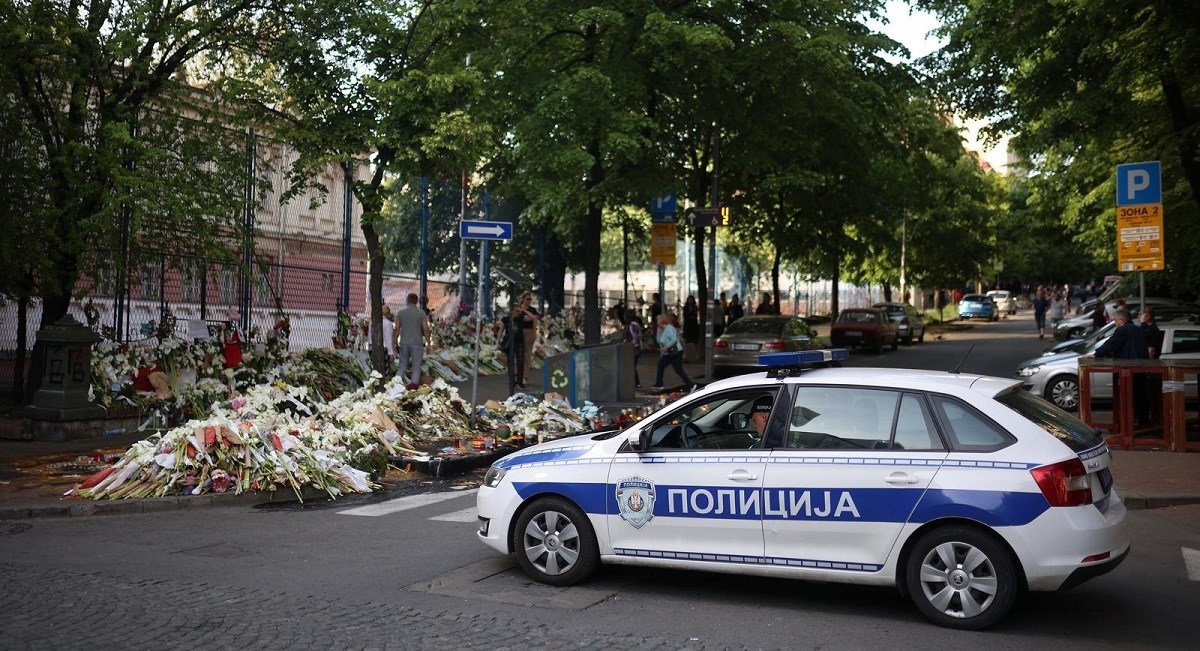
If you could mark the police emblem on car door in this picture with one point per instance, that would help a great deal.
(635, 499)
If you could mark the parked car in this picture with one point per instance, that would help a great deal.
(909, 323)
(1161, 314)
(1056, 377)
(737, 350)
(1081, 324)
(963, 492)
(868, 327)
(1004, 300)
(978, 306)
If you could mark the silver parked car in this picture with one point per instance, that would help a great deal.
(909, 323)
(1056, 377)
(737, 350)
(1079, 325)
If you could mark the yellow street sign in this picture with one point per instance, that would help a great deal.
(662, 243)
(1140, 237)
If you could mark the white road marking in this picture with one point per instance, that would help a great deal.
(465, 515)
(1191, 560)
(402, 504)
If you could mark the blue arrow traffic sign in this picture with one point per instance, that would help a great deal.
(479, 230)
(1139, 183)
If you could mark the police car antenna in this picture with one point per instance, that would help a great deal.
(964, 359)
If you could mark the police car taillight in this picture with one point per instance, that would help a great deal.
(1064, 483)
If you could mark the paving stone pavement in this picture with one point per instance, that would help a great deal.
(54, 609)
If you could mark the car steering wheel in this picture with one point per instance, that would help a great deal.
(688, 437)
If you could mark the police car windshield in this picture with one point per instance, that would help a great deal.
(1070, 430)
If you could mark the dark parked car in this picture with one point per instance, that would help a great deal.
(744, 340)
(909, 322)
(868, 327)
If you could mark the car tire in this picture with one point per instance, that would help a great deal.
(908, 341)
(895, 343)
(555, 542)
(961, 577)
(921, 338)
(1063, 391)
(877, 347)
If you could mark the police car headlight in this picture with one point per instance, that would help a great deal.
(494, 476)
(1026, 371)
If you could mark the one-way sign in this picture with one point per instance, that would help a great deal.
(708, 216)
(478, 230)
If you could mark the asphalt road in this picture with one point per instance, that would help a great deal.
(403, 569)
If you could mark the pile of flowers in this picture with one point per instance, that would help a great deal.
(283, 436)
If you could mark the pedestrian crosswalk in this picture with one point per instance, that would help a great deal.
(465, 515)
(411, 502)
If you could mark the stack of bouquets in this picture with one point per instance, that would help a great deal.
(268, 439)
(539, 419)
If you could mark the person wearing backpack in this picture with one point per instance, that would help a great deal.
(670, 352)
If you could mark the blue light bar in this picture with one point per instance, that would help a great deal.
(803, 358)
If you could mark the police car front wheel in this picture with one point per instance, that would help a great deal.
(960, 577)
(555, 542)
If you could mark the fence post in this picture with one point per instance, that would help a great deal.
(347, 223)
(247, 235)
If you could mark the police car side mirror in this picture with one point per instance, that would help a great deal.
(641, 442)
(738, 421)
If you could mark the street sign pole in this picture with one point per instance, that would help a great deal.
(482, 230)
(712, 297)
(478, 322)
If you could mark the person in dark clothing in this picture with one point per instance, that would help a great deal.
(765, 306)
(1128, 342)
(1040, 305)
(1099, 316)
(633, 335)
(735, 310)
(1154, 336)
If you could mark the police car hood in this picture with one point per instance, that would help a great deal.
(559, 451)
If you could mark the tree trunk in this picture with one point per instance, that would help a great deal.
(775, 262)
(556, 276)
(379, 360)
(887, 293)
(593, 225)
(833, 295)
(1185, 129)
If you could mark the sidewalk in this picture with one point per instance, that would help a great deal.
(35, 474)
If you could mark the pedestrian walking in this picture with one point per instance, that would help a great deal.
(632, 334)
(1128, 342)
(412, 325)
(1058, 310)
(670, 352)
(691, 328)
(1040, 305)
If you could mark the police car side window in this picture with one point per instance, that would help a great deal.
(969, 430)
(915, 429)
(842, 418)
(723, 422)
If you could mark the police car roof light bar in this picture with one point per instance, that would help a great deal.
(782, 365)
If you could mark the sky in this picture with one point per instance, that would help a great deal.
(912, 29)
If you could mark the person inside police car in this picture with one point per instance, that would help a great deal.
(760, 413)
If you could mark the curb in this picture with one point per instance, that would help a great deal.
(79, 507)
(1137, 501)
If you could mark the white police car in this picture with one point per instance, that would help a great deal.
(959, 489)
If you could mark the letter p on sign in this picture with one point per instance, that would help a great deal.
(1139, 183)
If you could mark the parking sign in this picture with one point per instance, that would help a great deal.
(1139, 183)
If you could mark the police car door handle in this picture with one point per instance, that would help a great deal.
(900, 478)
(742, 475)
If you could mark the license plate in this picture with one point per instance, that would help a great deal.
(853, 333)
(746, 346)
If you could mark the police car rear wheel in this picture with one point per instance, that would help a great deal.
(555, 542)
(962, 578)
